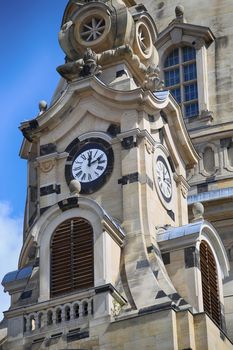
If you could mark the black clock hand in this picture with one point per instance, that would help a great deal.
(167, 181)
(164, 173)
(89, 159)
(97, 159)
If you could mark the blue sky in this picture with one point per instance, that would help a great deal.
(30, 53)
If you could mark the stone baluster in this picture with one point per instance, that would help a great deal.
(85, 308)
(36, 318)
(49, 317)
(63, 314)
(41, 320)
(54, 316)
(72, 316)
(32, 323)
(27, 323)
(89, 308)
(77, 311)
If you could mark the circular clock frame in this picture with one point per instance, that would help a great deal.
(160, 160)
(91, 160)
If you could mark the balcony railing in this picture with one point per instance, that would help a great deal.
(79, 311)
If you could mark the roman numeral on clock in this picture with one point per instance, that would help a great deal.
(79, 173)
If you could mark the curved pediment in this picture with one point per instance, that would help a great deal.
(91, 96)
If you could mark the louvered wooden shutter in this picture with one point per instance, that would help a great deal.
(210, 283)
(72, 257)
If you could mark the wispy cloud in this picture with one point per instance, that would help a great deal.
(10, 244)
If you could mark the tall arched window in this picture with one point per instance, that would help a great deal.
(72, 257)
(180, 76)
(210, 283)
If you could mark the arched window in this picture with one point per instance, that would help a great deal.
(180, 76)
(72, 257)
(210, 283)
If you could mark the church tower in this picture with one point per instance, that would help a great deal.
(109, 260)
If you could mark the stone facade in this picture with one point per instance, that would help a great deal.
(112, 151)
(211, 131)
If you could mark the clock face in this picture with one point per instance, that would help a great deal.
(164, 178)
(90, 162)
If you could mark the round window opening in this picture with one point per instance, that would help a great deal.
(144, 39)
(92, 28)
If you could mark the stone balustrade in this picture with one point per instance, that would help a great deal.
(78, 311)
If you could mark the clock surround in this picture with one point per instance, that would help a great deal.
(163, 176)
(90, 161)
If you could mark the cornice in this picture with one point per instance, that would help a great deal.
(200, 32)
(214, 131)
(134, 99)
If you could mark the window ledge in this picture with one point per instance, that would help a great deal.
(204, 118)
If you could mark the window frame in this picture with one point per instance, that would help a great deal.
(105, 233)
(210, 283)
(178, 34)
(179, 66)
(73, 229)
(53, 218)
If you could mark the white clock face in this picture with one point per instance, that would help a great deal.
(89, 165)
(164, 179)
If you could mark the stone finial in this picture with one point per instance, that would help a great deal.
(179, 11)
(75, 188)
(198, 211)
(42, 106)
